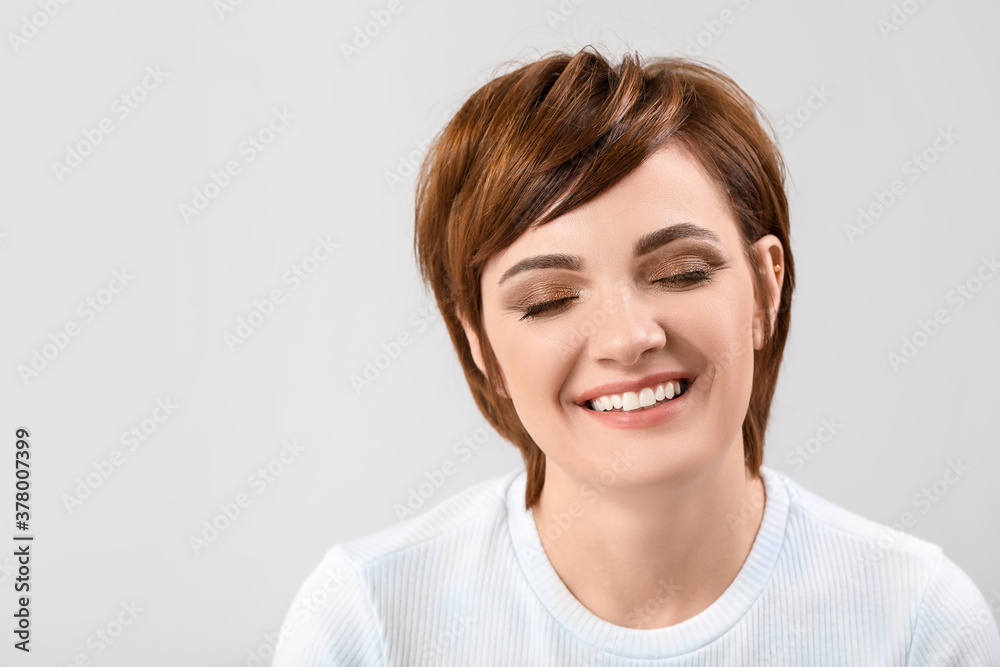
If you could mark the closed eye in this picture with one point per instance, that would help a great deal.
(547, 307)
(688, 277)
(557, 305)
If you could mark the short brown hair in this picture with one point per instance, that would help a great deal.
(543, 139)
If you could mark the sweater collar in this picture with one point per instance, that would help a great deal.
(672, 641)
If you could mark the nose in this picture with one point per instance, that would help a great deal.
(626, 329)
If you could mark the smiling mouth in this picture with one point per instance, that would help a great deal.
(646, 398)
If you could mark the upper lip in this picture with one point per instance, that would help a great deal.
(635, 385)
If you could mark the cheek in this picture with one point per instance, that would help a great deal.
(534, 379)
(534, 361)
(729, 345)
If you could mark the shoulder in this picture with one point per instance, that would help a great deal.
(870, 541)
(331, 620)
(337, 616)
(478, 509)
(955, 625)
(893, 577)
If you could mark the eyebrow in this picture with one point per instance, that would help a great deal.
(643, 246)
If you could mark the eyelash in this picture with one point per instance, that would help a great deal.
(690, 277)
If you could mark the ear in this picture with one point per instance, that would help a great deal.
(476, 348)
(470, 335)
(770, 254)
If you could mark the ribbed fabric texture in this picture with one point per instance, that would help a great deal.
(468, 583)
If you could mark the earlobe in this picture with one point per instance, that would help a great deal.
(771, 259)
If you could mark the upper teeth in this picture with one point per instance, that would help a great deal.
(631, 400)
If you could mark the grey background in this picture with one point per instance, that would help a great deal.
(325, 174)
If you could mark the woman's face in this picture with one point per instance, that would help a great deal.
(644, 285)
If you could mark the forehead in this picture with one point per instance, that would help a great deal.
(671, 187)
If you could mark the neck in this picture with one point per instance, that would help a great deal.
(655, 554)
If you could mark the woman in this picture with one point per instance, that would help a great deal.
(609, 247)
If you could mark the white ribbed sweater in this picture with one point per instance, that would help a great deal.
(468, 583)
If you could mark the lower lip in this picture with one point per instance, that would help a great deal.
(642, 416)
